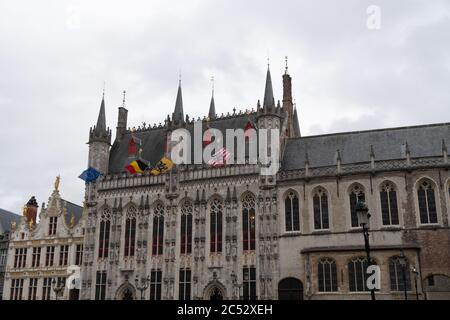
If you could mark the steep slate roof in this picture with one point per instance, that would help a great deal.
(6, 218)
(74, 209)
(101, 120)
(153, 141)
(178, 113)
(354, 147)
(269, 100)
(212, 108)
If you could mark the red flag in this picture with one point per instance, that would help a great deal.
(249, 125)
(133, 146)
(207, 139)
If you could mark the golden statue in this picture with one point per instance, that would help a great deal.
(13, 225)
(58, 178)
(72, 221)
(30, 224)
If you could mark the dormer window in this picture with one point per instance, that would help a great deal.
(52, 226)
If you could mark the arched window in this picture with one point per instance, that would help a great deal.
(356, 192)
(248, 222)
(427, 202)
(327, 275)
(186, 228)
(320, 205)
(292, 215)
(357, 275)
(389, 208)
(396, 271)
(290, 289)
(158, 229)
(216, 225)
(103, 241)
(130, 232)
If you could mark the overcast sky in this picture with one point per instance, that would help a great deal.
(55, 56)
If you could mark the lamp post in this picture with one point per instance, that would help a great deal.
(402, 260)
(58, 287)
(363, 215)
(142, 285)
(416, 275)
(236, 285)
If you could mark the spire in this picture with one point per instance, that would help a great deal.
(100, 132)
(212, 105)
(296, 125)
(101, 121)
(212, 109)
(178, 114)
(269, 101)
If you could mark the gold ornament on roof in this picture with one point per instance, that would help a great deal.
(13, 225)
(72, 221)
(58, 178)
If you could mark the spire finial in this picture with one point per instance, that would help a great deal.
(212, 85)
(179, 77)
(123, 99)
(104, 85)
(286, 68)
(268, 61)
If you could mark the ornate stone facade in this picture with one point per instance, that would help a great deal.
(43, 254)
(199, 232)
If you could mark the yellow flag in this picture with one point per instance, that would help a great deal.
(163, 165)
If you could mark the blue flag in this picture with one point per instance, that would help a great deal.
(89, 175)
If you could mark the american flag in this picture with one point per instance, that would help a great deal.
(219, 158)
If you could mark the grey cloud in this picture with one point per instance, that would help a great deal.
(346, 77)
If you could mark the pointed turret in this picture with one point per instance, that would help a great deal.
(100, 132)
(212, 108)
(100, 142)
(101, 120)
(178, 114)
(296, 125)
(269, 100)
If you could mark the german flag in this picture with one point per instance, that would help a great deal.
(136, 166)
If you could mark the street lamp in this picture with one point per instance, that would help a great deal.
(416, 275)
(143, 285)
(58, 287)
(236, 285)
(363, 215)
(402, 261)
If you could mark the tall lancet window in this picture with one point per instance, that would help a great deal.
(291, 212)
(158, 229)
(248, 222)
(216, 225)
(130, 232)
(356, 192)
(389, 208)
(105, 225)
(427, 202)
(320, 205)
(186, 228)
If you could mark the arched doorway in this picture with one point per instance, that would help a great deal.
(215, 290)
(290, 289)
(216, 294)
(126, 292)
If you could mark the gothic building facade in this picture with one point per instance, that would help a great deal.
(228, 232)
(44, 253)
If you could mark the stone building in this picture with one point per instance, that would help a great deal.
(228, 232)
(7, 219)
(44, 253)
